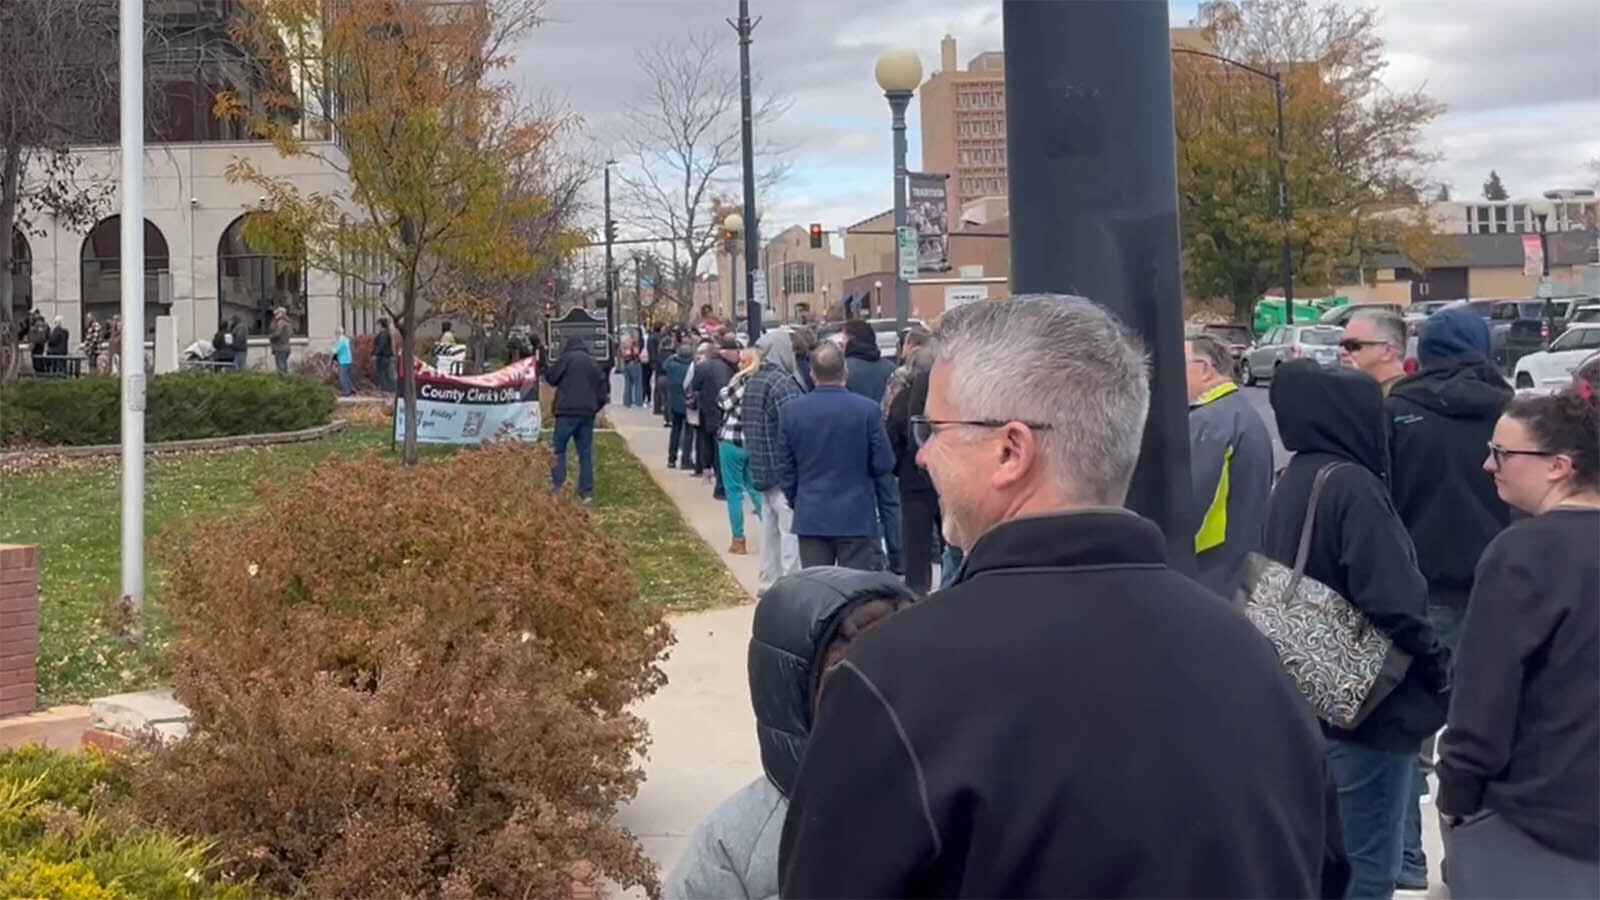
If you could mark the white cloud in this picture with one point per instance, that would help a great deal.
(1522, 81)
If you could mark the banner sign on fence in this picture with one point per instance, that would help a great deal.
(502, 405)
(1532, 255)
(927, 211)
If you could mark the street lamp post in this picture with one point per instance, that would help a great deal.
(877, 296)
(899, 71)
(733, 224)
(752, 247)
(1541, 210)
(1287, 261)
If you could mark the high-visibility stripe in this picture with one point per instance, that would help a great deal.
(1214, 527)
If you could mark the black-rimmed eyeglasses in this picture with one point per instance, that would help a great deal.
(1499, 453)
(923, 428)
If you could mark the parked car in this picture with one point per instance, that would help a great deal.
(1235, 336)
(1548, 370)
(1340, 315)
(1286, 342)
(885, 331)
(1520, 327)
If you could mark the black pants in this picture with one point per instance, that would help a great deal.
(680, 443)
(919, 522)
(707, 454)
(865, 554)
(648, 376)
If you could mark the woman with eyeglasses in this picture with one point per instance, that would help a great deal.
(1519, 761)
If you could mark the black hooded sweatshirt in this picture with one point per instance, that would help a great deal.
(1359, 546)
(1440, 421)
(582, 388)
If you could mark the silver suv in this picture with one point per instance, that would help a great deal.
(1286, 342)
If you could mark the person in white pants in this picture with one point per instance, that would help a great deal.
(765, 394)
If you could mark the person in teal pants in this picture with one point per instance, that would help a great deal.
(731, 453)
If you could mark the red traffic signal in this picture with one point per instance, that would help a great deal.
(816, 236)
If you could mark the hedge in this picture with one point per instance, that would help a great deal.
(180, 406)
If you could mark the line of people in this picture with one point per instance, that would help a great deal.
(1073, 716)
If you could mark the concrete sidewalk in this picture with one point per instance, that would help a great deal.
(702, 733)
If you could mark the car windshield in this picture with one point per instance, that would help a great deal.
(1233, 334)
(1587, 314)
(1319, 337)
(1571, 340)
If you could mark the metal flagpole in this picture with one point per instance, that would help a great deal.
(133, 377)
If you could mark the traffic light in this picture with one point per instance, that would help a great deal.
(816, 236)
(549, 307)
(611, 231)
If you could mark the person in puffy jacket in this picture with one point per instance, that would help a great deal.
(803, 627)
(675, 372)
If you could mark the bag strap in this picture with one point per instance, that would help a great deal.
(1304, 550)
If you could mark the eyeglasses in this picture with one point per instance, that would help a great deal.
(1356, 345)
(923, 428)
(1500, 453)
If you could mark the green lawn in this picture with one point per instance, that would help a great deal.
(72, 514)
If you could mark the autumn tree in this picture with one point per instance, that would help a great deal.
(59, 73)
(683, 153)
(1356, 162)
(424, 135)
(1493, 188)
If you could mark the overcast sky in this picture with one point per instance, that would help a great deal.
(1521, 79)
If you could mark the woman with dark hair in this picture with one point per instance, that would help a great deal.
(1519, 762)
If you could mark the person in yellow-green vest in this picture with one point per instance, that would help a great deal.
(1230, 458)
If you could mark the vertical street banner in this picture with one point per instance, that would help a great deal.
(927, 210)
(1532, 255)
(502, 405)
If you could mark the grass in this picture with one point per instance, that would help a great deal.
(72, 513)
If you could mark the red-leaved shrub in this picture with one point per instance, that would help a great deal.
(408, 683)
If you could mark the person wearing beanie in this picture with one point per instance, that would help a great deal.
(1441, 419)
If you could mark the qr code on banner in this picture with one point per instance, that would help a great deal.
(473, 427)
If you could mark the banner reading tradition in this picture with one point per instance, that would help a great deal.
(502, 405)
(928, 211)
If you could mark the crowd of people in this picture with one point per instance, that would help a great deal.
(1055, 720)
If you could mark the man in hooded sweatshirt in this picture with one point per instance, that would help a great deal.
(768, 391)
(867, 374)
(802, 629)
(1334, 420)
(582, 390)
(1441, 418)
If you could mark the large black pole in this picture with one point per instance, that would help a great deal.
(752, 226)
(1094, 202)
(611, 236)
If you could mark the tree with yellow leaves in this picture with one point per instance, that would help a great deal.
(405, 105)
(1356, 161)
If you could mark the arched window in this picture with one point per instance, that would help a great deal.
(252, 283)
(21, 276)
(799, 278)
(101, 271)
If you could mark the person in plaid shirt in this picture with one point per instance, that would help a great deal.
(731, 453)
(773, 385)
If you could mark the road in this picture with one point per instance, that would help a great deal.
(1258, 399)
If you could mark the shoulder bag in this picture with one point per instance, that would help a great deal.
(1344, 666)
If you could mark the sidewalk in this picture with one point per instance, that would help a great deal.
(702, 733)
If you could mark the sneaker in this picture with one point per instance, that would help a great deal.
(672, 464)
(586, 501)
(719, 496)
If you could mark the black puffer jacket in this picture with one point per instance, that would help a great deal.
(794, 623)
(1359, 546)
(1440, 420)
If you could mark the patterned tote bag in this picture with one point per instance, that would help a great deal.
(1344, 666)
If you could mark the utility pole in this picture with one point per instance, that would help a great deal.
(752, 227)
(1094, 203)
(611, 236)
(131, 63)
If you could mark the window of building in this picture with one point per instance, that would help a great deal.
(21, 277)
(799, 278)
(251, 284)
(100, 268)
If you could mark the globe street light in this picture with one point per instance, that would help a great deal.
(899, 71)
(732, 226)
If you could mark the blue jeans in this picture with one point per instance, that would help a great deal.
(632, 385)
(888, 488)
(949, 565)
(345, 386)
(1447, 621)
(736, 485)
(579, 430)
(280, 358)
(1375, 787)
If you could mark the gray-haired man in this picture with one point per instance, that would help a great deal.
(1230, 459)
(1375, 343)
(1015, 736)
